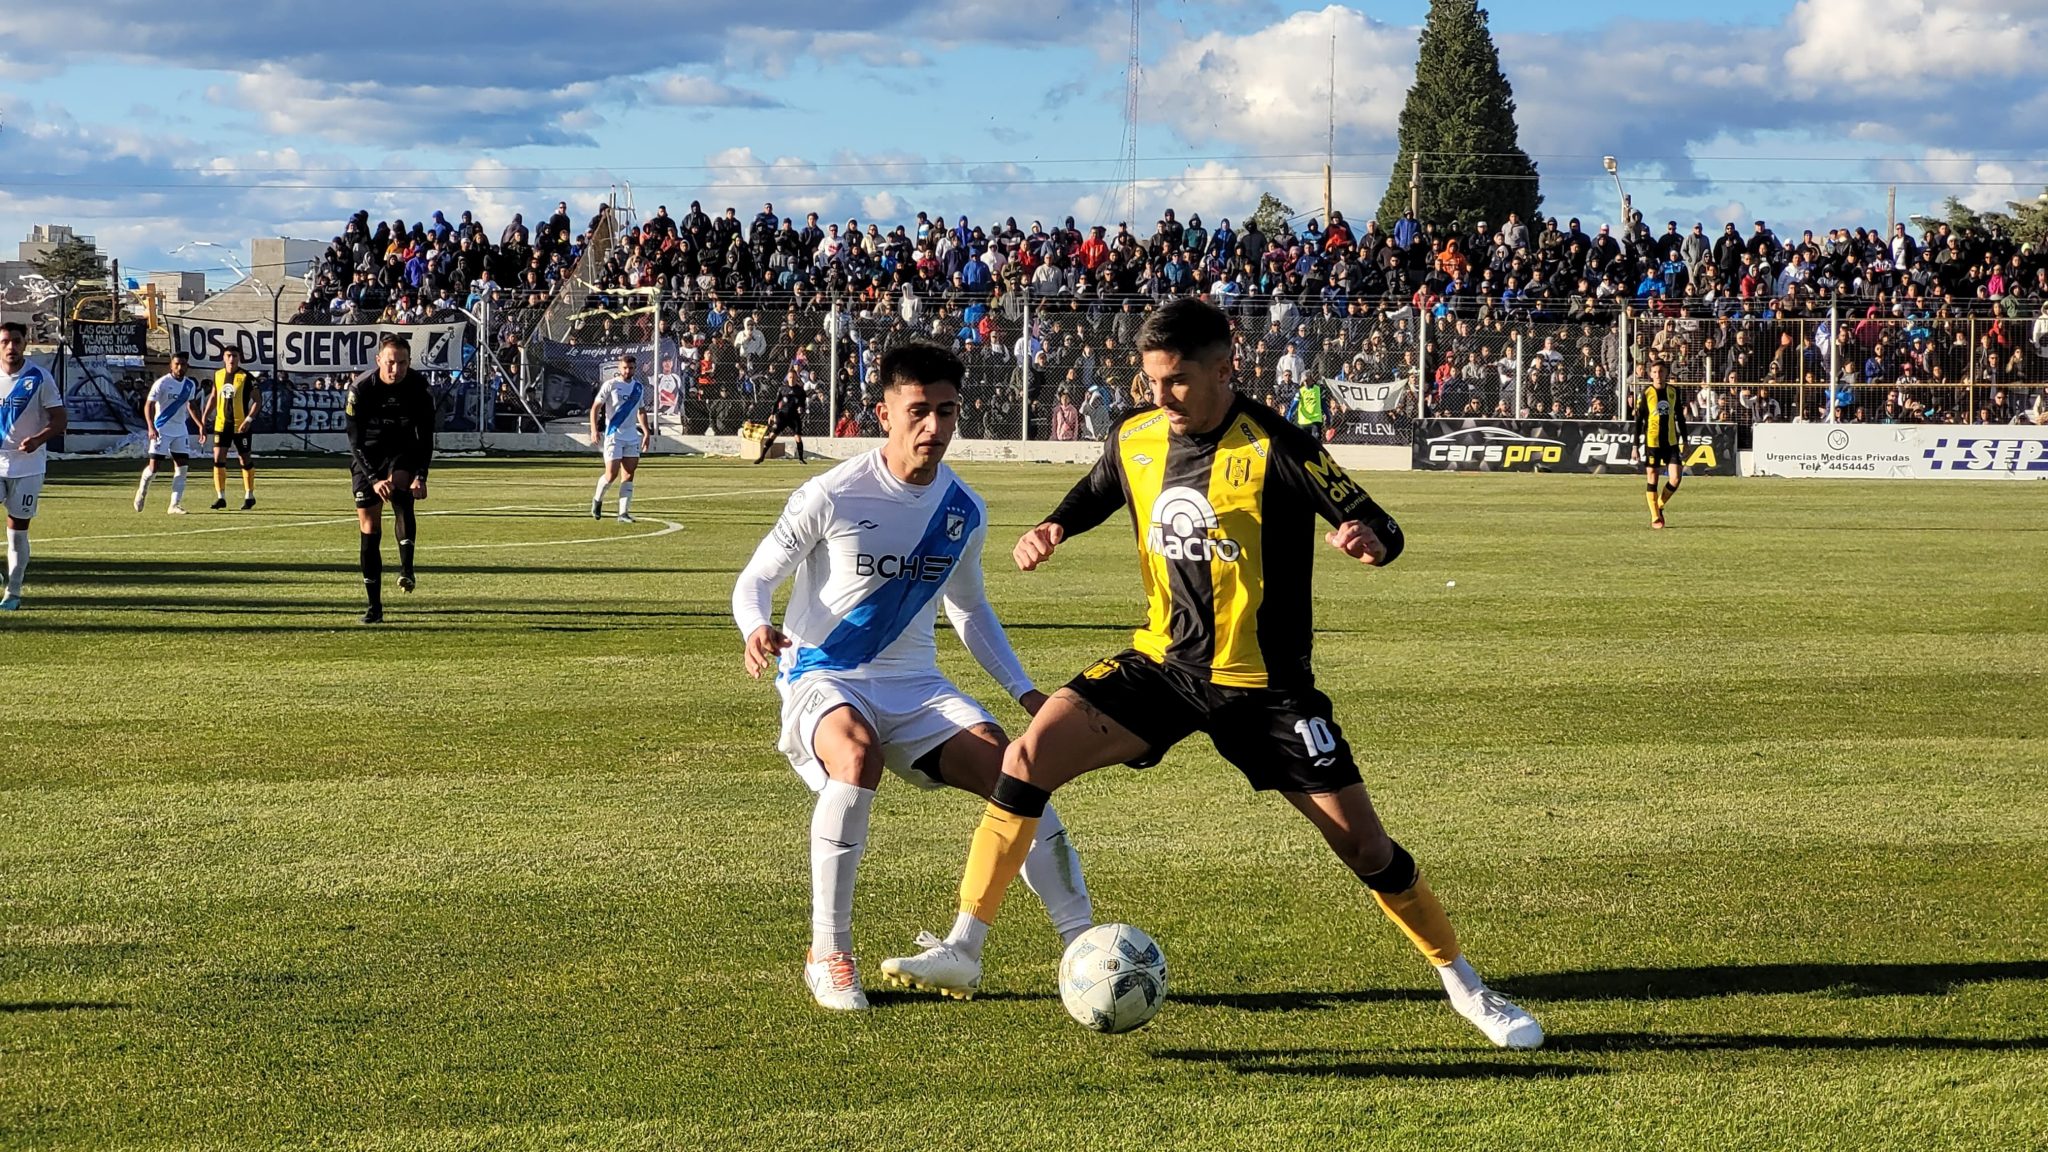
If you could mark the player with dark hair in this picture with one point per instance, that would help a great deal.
(231, 408)
(391, 442)
(875, 546)
(1660, 432)
(1223, 492)
(620, 429)
(787, 417)
(172, 423)
(31, 415)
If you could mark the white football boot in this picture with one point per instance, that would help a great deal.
(941, 968)
(834, 981)
(1504, 1022)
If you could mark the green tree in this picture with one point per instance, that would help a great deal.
(70, 264)
(1271, 215)
(2025, 221)
(1459, 121)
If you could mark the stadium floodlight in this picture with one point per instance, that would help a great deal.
(1608, 163)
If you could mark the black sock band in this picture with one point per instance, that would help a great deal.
(1019, 797)
(1399, 874)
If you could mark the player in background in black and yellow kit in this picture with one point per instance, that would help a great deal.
(231, 407)
(1223, 493)
(1660, 432)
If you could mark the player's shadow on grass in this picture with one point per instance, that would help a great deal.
(1350, 1064)
(1305, 1001)
(1599, 1042)
(892, 997)
(7, 1009)
(1714, 980)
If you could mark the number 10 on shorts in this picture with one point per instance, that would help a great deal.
(1315, 733)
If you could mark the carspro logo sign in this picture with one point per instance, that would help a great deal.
(1986, 454)
(1498, 447)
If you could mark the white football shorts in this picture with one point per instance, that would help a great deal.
(183, 444)
(910, 714)
(19, 493)
(622, 446)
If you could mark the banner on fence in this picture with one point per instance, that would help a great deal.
(1385, 396)
(120, 340)
(1487, 445)
(95, 402)
(1902, 451)
(314, 348)
(570, 374)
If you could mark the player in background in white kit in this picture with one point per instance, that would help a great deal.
(618, 425)
(31, 415)
(875, 544)
(171, 417)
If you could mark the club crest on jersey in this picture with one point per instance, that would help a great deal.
(1184, 527)
(956, 525)
(1238, 471)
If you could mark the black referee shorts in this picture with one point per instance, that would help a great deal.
(364, 484)
(782, 422)
(1282, 739)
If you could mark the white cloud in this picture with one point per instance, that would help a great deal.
(689, 90)
(1905, 44)
(1270, 89)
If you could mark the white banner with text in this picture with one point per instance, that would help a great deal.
(1902, 451)
(314, 348)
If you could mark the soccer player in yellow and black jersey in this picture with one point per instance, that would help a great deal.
(1660, 431)
(1223, 493)
(231, 407)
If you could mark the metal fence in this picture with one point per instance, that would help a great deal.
(1045, 369)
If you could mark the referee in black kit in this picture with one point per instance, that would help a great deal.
(390, 441)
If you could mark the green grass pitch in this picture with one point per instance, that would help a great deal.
(1751, 812)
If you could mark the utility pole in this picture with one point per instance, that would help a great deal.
(1330, 154)
(1415, 188)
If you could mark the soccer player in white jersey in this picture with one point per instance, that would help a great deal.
(171, 417)
(31, 415)
(875, 544)
(618, 423)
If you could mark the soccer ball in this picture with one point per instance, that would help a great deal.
(1113, 978)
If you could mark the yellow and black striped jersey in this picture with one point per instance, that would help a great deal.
(1225, 533)
(232, 399)
(1660, 417)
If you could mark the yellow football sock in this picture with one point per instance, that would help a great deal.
(220, 480)
(1656, 508)
(248, 482)
(1000, 845)
(1665, 496)
(1418, 914)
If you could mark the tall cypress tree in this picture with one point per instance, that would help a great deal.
(1460, 119)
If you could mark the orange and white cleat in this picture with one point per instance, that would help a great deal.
(834, 981)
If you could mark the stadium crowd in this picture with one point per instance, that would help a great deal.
(1944, 326)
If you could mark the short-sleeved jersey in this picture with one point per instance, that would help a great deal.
(26, 398)
(872, 558)
(177, 405)
(1224, 525)
(619, 403)
(390, 426)
(1660, 417)
(233, 397)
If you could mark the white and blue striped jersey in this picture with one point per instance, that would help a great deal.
(177, 402)
(26, 398)
(618, 410)
(873, 557)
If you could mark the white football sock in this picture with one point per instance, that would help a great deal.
(625, 497)
(17, 560)
(178, 485)
(604, 485)
(142, 493)
(839, 832)
(968, 934)
(1460, 981)
(1053, 872)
